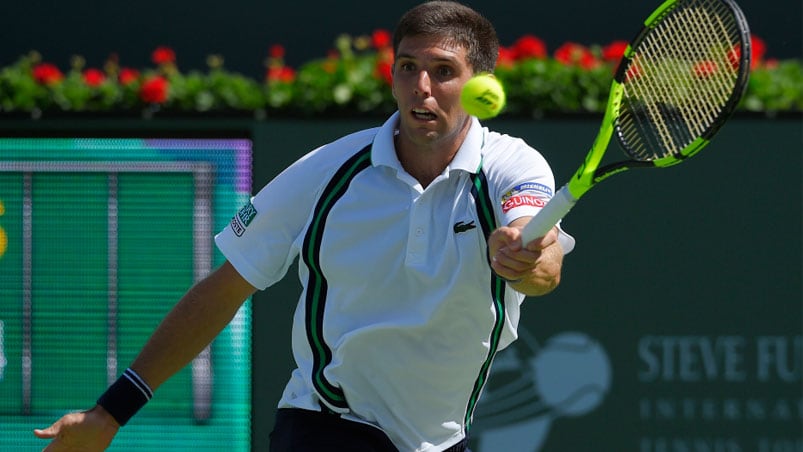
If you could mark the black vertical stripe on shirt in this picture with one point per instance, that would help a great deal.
(315, 301)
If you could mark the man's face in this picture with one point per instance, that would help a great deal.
(428, 76)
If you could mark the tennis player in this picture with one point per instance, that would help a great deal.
(407, 239)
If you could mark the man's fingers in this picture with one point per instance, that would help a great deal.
(47, 433)
(516, 261)
(550, 238)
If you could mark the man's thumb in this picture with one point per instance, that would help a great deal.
(46, 433)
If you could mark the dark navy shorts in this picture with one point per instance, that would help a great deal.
(299, 430)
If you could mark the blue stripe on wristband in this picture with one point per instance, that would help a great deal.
(138, 382)
(126, 396)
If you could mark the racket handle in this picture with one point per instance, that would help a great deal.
(548, 217)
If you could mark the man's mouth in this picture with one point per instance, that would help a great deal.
(424, 115)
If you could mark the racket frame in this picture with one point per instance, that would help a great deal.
(590, 173)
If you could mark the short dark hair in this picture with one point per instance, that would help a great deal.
(457, 23)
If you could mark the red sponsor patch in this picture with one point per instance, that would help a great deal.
(522, 200)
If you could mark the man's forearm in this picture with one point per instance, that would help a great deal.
(191, 325)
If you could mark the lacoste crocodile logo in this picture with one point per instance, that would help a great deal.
(461, 226)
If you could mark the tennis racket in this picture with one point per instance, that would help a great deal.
(679, 80)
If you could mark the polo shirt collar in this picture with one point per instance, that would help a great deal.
(468, 157)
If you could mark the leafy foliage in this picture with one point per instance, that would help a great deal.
(354, 79)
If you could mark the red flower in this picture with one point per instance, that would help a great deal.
(128, 76)
(47, 74)
(633, 72)
(94, 77)
(735, 57)
(573, 54)
(705, 69)
(163, 55)
(507, 57)
(282, 74)
(384, 71)
(380, 39)
(759, 49)
(154, 90)
(276, 51)
(614, 51)
(384, 64)
(529, 46)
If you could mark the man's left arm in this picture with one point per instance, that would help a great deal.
(533, 268)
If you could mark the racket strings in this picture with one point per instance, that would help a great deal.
(680, 77)
(708, 97)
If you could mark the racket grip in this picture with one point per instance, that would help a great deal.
(549, 216)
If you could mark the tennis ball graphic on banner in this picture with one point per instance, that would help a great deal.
(572, 374)
(533, 384)
(483, 96)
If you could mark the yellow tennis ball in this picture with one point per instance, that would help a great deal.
(483, 96)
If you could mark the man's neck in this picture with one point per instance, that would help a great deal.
(425, 162)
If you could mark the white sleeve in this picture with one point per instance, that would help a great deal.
(262, 239)
(524, 183)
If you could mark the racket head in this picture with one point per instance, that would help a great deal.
(681, 78)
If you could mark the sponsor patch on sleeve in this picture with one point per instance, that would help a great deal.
(243, 218)
(530, 194)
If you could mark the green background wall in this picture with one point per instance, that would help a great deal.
(679, 319)
(696, 266)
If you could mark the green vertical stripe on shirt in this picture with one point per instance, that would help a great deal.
(482, 198)
(317, 285)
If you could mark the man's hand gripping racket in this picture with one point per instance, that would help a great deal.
(679, 80)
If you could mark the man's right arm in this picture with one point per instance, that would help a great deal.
(192, 324)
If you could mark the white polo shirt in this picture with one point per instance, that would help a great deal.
(400, 315)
